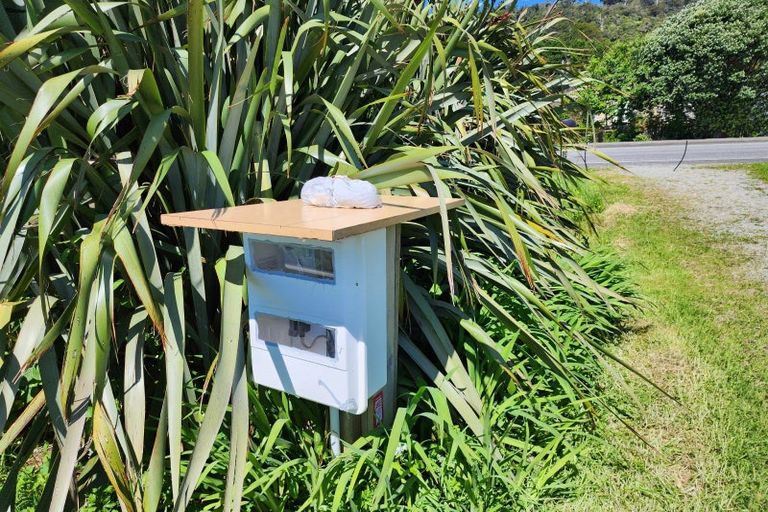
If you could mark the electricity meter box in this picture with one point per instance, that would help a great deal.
(321, 293)
(318, 316)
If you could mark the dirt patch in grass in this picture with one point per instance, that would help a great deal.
(615, 210)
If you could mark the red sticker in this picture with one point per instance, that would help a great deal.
(378, 408)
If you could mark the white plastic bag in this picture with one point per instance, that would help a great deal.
(340, 192)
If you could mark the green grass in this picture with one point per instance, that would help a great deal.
(758, 171)
(705, 339)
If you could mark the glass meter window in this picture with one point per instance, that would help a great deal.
(293, 259)
(305, 336)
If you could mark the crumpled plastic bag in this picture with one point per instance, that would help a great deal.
(340, 192)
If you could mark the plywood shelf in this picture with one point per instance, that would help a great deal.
(295, 219)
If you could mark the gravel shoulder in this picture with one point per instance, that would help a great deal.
(723, 201)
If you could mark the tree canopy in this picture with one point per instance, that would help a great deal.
(702, 73)
(705, 71)
(614, 91)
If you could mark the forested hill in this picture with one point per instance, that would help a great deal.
(666, 68)
(610, 20)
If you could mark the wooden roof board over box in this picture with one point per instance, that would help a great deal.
(295, 219)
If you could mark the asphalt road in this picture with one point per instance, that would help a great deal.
(708, 151)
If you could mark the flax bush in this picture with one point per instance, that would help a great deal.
(122, 341)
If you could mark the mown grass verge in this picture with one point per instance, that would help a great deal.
(759, 171)
(705, 339)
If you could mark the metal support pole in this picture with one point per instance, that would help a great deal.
(335, 438)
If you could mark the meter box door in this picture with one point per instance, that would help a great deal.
(318, 316)
(321, 293)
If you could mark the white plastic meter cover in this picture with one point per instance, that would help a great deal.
(305, 336)
(294, 259)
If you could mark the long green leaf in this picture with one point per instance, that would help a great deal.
(196, 78)
(224, 378)
(49, 202)
(173, 320)
(21, 46)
